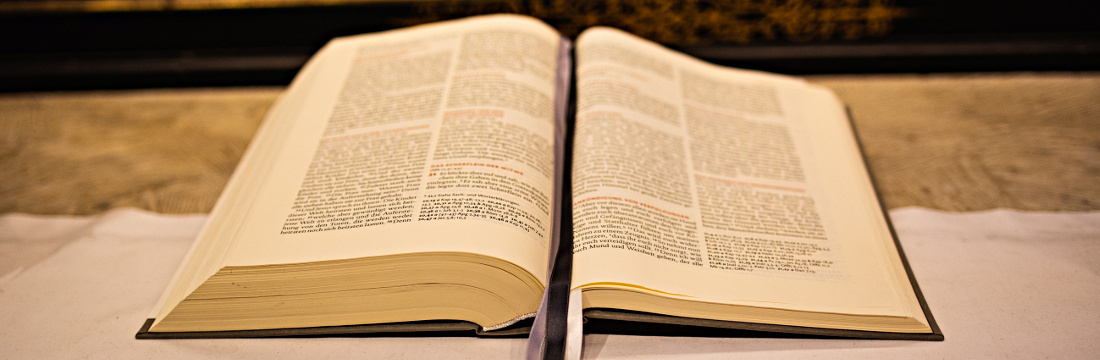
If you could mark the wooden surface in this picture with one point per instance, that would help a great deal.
(949, 142)
(169, 151)
(974, 142)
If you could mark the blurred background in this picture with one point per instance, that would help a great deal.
(961, 105)
(104, 44)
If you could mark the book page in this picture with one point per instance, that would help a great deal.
(209, 250)
(722, 185)
(434, 138)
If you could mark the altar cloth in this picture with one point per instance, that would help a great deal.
(1000, 283)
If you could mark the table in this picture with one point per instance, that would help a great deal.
(957, 142)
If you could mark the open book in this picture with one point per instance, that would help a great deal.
(411, 181)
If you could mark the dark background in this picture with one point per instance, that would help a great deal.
(159, 44)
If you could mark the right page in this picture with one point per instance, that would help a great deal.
(706, 184)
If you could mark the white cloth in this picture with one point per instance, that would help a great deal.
(1000, 283)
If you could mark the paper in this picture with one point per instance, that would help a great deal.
(1000, 283)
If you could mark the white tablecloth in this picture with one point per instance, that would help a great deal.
(1001, 284)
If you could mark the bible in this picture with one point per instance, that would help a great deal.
(411, 181)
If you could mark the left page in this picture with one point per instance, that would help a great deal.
(436, 138)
